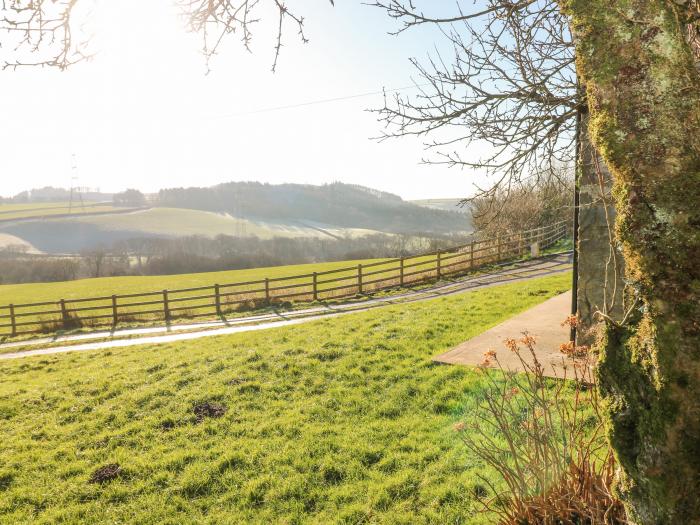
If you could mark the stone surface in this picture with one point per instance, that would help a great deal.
(600, 264)
(543, 322)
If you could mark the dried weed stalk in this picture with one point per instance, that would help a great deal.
(550, 452)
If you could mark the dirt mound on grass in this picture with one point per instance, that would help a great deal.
(208, 409)
(106, 473)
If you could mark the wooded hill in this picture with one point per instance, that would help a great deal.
(337, 204)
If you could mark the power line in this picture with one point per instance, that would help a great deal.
(320, 101)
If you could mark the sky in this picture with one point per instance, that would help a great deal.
(146, 114)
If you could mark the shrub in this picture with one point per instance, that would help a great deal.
(553, 459)
(531, 204)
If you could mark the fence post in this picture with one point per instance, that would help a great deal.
(315, 286)
(401, 263)
(64, 312)
(471, 256)
(498, 241)
(217, 299)
(438, 265)
(267, 289)
(521, 245)
(166, 306)
(115, 317)
(13, 322)
(359, 278)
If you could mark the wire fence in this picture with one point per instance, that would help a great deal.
(218, 300)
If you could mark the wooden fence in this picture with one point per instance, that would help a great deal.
(220, 299)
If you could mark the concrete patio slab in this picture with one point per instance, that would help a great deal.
(543, 322)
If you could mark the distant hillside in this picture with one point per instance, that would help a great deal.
(338, 205)
(443, 204)
(241, 209)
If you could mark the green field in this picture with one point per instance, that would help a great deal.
(442, 204)
(342, 420)
(106, 286)
(235, 300)
(180, 221)
(105, 225)
(46, 209)
(29, 206)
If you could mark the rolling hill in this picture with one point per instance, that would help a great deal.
(443, 204)
(237, 209)
(340, 205)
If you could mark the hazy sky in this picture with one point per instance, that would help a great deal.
(144, 114)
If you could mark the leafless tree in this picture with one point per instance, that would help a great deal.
(534, 204)
(510, 83)
(43, 32)
(217, 19)
(95, 260)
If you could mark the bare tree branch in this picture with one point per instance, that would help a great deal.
(217, 19)
(510, 83)
(44, 29)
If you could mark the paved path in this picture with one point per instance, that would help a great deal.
(543, 322)
(160, 335)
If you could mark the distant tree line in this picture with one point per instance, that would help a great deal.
(15, 269)
(129, 198)
(164, 256)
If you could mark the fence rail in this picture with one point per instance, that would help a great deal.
(220, 299)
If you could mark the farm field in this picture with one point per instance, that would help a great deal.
(442, 204)
(106, 286)
(129, 300)
(31, 206)
(103, 227)
(342, 420)
(93, 297)
(7, 240)
(44, 209)
(181, 221)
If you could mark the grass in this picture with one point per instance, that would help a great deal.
(181, 221)
(47, 209)
(89, 302)
(275, 308)
(31, 206)
(443, 204)
(250, 297)
(342, 420)
(106, 286)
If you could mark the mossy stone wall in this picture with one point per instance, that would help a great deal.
(600, 264)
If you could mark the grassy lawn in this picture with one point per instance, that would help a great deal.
(342, 420)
